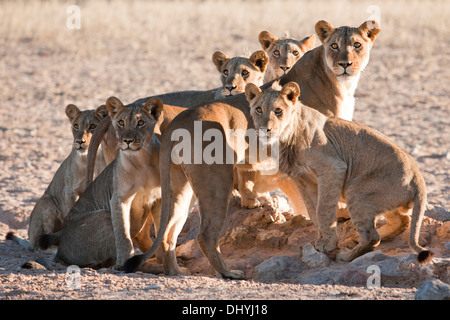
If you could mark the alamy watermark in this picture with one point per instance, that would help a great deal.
(374, 280)
(73, 20)
(218, 146)
(73, 277)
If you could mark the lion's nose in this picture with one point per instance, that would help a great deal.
(128, 141)
(345, 65)
(285, 68)
(79, 141)
(230, 87)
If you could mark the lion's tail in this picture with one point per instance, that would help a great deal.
(45, 241)
(96, 139)
(420, 201)
(134, 262)
(22, 242)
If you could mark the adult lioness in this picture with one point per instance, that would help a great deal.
(331, 158)
(68, 183)
(238, 71)
(321, 90)
(122, 196)
(283, 53)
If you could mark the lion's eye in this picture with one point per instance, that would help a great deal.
(244, 72)
(141, 123)
(296, 53)
(121, 123)
(278, 112)
(357, 45)
(276, 53)
(225, 72)
(92, 126)
(334, 46)
(258, 110)
(75, 126)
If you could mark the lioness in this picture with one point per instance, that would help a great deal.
(122, 196)
(283, 53)
(68, 183)
(328, 76)
(331, 158)
(238, 71)
(322, 89)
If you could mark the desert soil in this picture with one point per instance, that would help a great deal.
(402, 95)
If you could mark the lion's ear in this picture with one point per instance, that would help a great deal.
(259, 59)
(154, 107)
(114, 106)
(101, 112)
(72, 112)
(291, 91)
(219, 58)
(323, 30)
(251, 91)
(266, 39)
(370, 29)
(308, 43)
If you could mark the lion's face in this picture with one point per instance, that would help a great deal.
(284, 52)
(347, 49)
(84, 124)
(273, 110)
(237, 72)
(134, 124)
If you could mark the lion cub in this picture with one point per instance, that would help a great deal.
(119, 205)
(283, 53)
(238, 71)
(68, 182)
(331, 158)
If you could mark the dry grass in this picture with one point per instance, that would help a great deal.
(161, 26)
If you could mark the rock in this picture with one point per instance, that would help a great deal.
(33, 265)
(437, 213)
(271, 238)
(278, 268)
(443, 231)
(313, 258)
(433, 289)
(259, 218)
(241, 237)
(387, 264)
(189, 250)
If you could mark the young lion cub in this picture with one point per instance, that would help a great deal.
(118, 207)
(69, 181)
(331, 158)
(238, 71)
(283, 53)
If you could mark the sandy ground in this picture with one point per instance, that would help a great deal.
(404, 96)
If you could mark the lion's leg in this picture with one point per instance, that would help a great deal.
(142, 238)
(120, 217)
(330, 184)
(291, 190)
(44, 219)
(213, 206)
(246, 183)
(363, 217)
(180, 198)
(307, 185)
(397, 221)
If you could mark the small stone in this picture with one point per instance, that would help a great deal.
(33, 265)
(154, 287)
